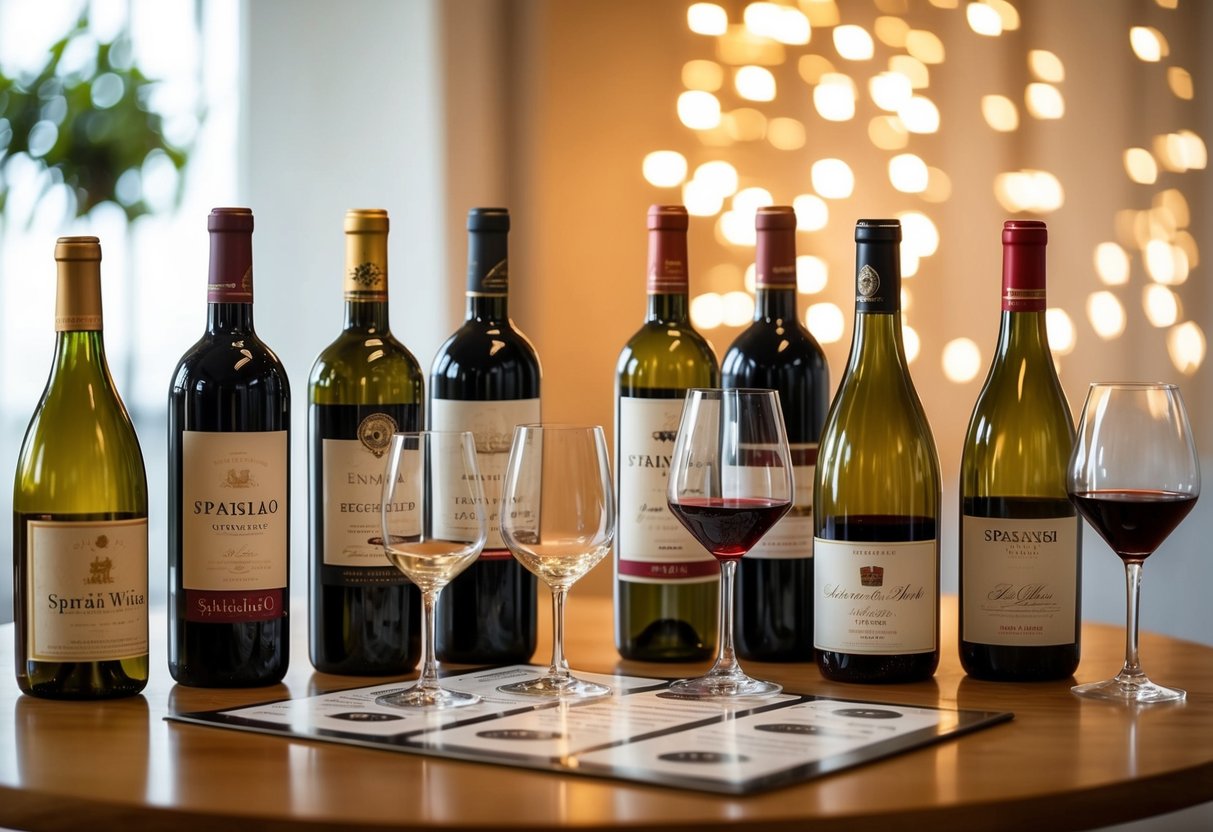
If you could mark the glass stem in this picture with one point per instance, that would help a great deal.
(726, 657)
(560, 666)
(1132, 666)
(429, 667)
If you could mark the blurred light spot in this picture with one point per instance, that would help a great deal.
(1034, 191)
(1000, 113)
(853, 43)
(1162, 224)
(920, 115)
(821, 13)
(939, 186)
(832, 178)
(701, 199)
(911, 341)
(1167, 4)
(1007, 13)
(825, 321)
(890, 90)
(1046, 66)
(908, 173)
(665, 168)
(750, 281)
(707, 311)
(749, 200)
(1045, 101)
(1186, 345)
(983, 19)
(107, 90)
(912, 68)
(785, 134)
(707, 76)
(1182, 151)
(812, 213)
(1180, 82)
(738, 308)
(812, 274)
(781, 23)
(1174, 203)
(919, 233)
(891, 31)
(1111, 264)
(1165, 263)
(1148, 43)
(1161, 305)
(1106, 315)
(720, 176)
(723, 276)
(925, 46)
(698, 110)
(129, 187)
(834, 97)
(1140, 165)
(812, 67)
(907, 299)
(1060, 330)
(745, 124)
(755, 83)
(42, 137)
(737, 228)
(909, 262)
(707, 19)
(961, 358)
(1186, 243)
(740, 46)
(888, 133)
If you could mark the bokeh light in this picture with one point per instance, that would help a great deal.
(1105, 314)
(908, 173)
(786, 133)
(707, 19)
(812, 274)
(983, 19)
(1148, 43)
(825, 321)
(707, 76)
(665, 168)
(961, 360)
(755, 83)
(812, 212)
(920, 115)
(707, 311)
(1060, 329)
(1140, 165)
(832, 178)
(1000, 113)
(834, 97)
(1044, 101)
(1186, 345)
(698, 110)
(911, 341)
(853, 43)
(1161, 305)
(1111, 264)
(1046, 66)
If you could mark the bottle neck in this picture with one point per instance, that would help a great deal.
(878, 341)
(230, 282)
(668, 307)
(229, 317)
(366, 315)
(878, 336)
(1022, 334)
(80, 352)
(775, 304)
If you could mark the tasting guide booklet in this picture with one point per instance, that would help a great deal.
(639, 733)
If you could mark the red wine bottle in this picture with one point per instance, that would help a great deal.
(229, 475)
(775, 580)
(485, 379)
(876, 494)
(1020, 537)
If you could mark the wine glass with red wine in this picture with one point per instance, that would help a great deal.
(1134, 476)
(730, 481)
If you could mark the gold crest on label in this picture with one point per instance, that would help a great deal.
(869, 282)
(375, 432)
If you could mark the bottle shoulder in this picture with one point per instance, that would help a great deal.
(668, 351)
(229, 361)
(486, 353)
(768, 343)
(365, 368)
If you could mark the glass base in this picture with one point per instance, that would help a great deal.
(563, 687)
(1136, 689)
(722, 687)
(427, 698)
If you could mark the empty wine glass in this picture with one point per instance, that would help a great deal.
(1134, 476)
(558, 520)
(433, 528)
(730, 482)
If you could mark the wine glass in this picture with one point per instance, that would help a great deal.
(558, 520)
(1134, 476)
(433, 528)
(730, 481)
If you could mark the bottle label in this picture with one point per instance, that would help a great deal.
(492, 423)
(875, 598)
(87, 587)
(652, 546)
(1020, 580)
(792, 536)
(235, 529)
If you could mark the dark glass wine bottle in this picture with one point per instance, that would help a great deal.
(228, 480)
(1020, 537)
(365, 386)
(80, 512)
(877, 494)
(485, 379)
(774, 612)
(666, 584)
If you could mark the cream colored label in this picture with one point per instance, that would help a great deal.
(492, 424)
(87, 590)
(875, 598)
(234, 510)
(1020, 580)
(792, 536)
(352, 497)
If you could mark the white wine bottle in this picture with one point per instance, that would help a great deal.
(1020, 537)
(80, 512)
(876, 494)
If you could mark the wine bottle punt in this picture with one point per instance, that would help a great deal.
(80, 512)
(1020, 537)
(485, 379)
(665, 582)
(364, 386)
(228, 481)
(877, 494)
(775, 579)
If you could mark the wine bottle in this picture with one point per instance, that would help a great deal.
(1020, 537)
(485, 379)
(665, 582)
(876, 494)
(228, 481)
(80, 512)
(775, 579)
(365, 386)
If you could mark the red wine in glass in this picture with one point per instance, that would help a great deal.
(1134, 521)
(728, 527)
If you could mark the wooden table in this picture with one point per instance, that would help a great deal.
(1063, 763)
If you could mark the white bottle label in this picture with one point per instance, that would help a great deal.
(492, 423)
(235, 536)
(87, 587)
(1020, 580)
(875, 598)
(792, 536)
(652, 546)
(352, 500)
